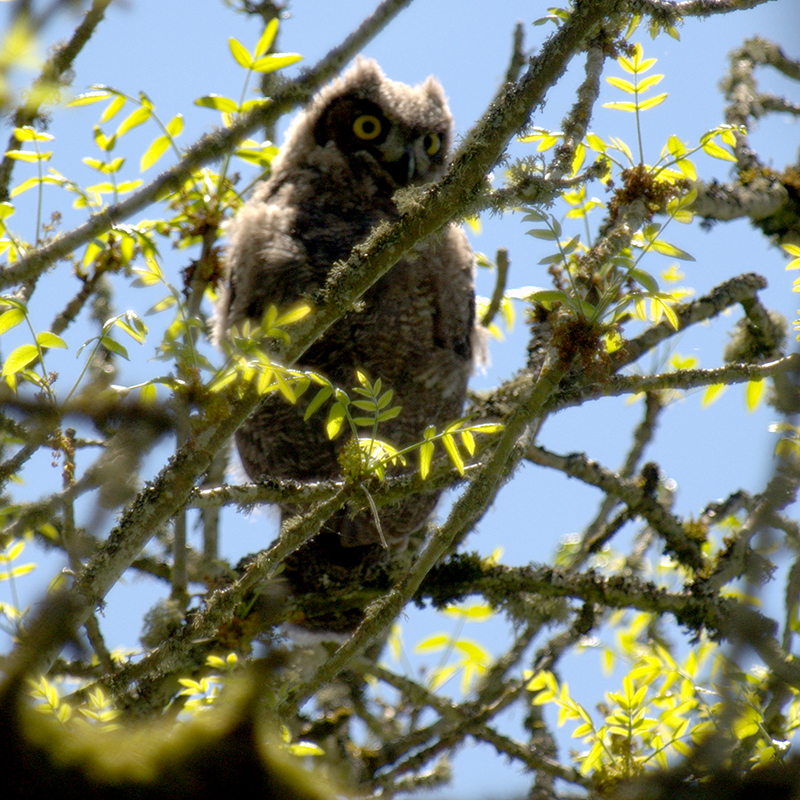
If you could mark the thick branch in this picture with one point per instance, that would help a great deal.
(53, 73)
(209, 148)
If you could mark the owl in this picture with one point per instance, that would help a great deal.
(360, 140)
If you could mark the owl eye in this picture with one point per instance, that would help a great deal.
(432, 143)
(367, 127)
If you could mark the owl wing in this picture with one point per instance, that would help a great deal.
(266, 263)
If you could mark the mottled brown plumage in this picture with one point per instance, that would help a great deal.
(358, 142)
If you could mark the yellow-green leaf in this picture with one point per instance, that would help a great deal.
(135, 118)
(217, 102)
(433, 643)
(621, 106)
(293, 315)
(336, 417)
(755, 394)
(322, 395)
(28, 156)
(652, 102)
(175, 125)
(148, 394)
(621, 83)
(425, 458)
(29, 134)
(267, 38)
(649, 82)
(667, 249)
(713, 393)
(452, 450)
(714, 150)
(276, 61)
(240, 53)
(49, 339)
(112, 108)
(88, 98)
(154, 152)
(10, 319)
(20, 358)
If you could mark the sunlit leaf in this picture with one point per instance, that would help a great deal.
(88, 98)
(112, 108)
(267, 38)
(336, 417)
(319, 400)
(240, 53)
(137, 117)
(276, 61)
(10, 319)
(154, 152)
(425, 458)
(48, 339)
(20, 358)
(217, 102)
(714, 150)
(621, 83)
(755, 394)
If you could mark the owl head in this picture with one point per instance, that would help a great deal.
(402, 132)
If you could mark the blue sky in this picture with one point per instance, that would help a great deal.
(178, 50)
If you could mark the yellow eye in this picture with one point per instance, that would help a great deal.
(432, 143)
(367, 127)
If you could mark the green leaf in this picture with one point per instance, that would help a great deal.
(321, 397)
(549, 296)
(644, 279)
(389, 413)
(217, 102)
(543, 233)
(154, 152)
(240, 53)
(20, 358)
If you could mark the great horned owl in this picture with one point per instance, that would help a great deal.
(360, 140)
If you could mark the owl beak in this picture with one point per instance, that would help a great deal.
(411, 160)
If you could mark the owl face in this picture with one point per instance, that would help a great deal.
(407, 153)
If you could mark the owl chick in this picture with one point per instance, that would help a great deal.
(360, 140)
